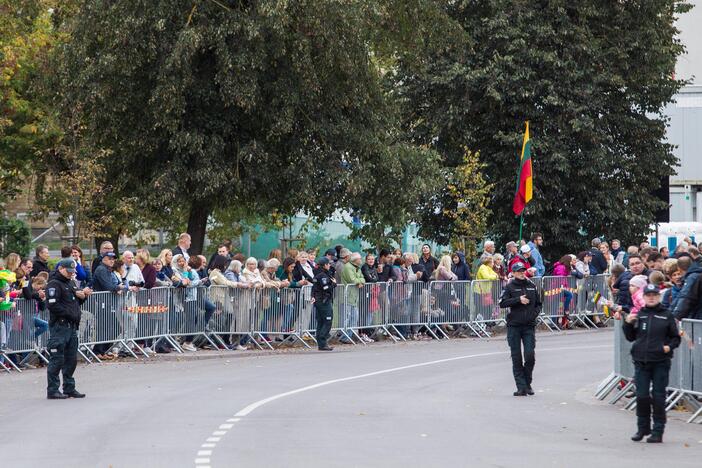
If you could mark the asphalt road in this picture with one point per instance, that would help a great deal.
(416, 404)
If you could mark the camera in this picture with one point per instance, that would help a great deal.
(140, 284)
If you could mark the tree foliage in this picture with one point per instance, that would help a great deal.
(467, 188)
(592, 77)
(261, 106)
(27, 36)
(15, 236)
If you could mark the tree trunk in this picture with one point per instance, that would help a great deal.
(197, 226)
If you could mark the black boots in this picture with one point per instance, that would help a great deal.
(655, 439)
(638, 437)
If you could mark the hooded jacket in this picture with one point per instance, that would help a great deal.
(461, 269)
(688, 303)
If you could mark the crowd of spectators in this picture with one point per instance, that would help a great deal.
(630, 270)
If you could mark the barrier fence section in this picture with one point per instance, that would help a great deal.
(685, 379)
(137, 323)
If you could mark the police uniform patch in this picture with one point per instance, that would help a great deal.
(52, 292)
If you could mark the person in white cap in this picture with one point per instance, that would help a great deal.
(524, 258)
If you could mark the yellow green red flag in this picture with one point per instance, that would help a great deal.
(525, 177)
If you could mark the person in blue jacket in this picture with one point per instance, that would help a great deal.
(537, 241)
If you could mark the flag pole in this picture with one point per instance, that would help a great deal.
(521, 224)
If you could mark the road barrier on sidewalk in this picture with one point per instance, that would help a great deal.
(134, 323)
(685, 379)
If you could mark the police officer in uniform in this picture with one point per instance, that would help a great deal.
(64, 302)
(655, 335)
(522, 298)
(323, 286)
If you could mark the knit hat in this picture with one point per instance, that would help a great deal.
(638, 281)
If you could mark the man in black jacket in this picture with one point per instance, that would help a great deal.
(105, 247)
(41, 261)
(522, 298)
(623, 299)
(64, 307)
(689, 300)
(598, 265)
(655, 335)
(323, 296)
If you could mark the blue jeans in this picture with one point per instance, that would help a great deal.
(350, 318)
(288, 317)
(568, 298)
(522, 370)
(40, 327)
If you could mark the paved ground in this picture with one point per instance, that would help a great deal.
(426, 403)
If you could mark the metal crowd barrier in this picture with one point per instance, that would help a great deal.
(22, 333)
(685, 379)
(366, 310)
(408, 312)
(134, 322)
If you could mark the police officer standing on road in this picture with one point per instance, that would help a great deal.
(323, 286)
(522, 298)
(64, 306)
(655, 335)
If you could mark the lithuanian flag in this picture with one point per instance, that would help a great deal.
(524, 179)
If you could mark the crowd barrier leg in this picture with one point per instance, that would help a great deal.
(549, 323)
(6, 359)
(88, 349)
(673, 399)
(612, 377)
(696, 415)
(622, 392)
(85, 358)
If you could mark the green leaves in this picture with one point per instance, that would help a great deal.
(591, 78)
(247, 107)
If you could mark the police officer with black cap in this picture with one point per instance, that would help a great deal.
(655, 335)
(522, 298)
(323, 286)
(64, 307)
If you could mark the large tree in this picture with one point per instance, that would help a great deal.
(592, 78)
(265, 106)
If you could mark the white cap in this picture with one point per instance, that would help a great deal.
(525, 249)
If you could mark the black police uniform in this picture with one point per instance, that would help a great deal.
(64, 309)
(323, 292)
(654, 328)
(521, 329)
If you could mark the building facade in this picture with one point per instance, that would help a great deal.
(685, 130)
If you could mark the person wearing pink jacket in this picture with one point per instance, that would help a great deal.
(636, 287)
(562, 268)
